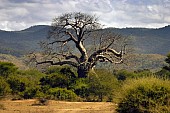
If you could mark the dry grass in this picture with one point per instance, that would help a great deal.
(27, 106)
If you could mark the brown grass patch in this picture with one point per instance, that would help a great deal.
(25, 106)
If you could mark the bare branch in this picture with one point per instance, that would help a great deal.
(71, 36)
(114, 52)
(62, 41)
(104, 51)
(103, 58)
(59, 63)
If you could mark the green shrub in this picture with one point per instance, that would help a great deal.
(32, 74)
(68, 72)
(62, 94)
(53, 69)
(31, 92)
(144, 95)
(80, 87)
(123, 74)
(102, 85)
(7, 68)
(55, 80)
(143, 73)
(17, 84)
(4, 87)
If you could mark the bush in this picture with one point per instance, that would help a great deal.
(123, 74)
(30, 93)
(62, 94)
(80, 87)
(99, 86)
(145, 95)
(55, 80)
(4, 87)
(68, 72)
(32, 74)
(53, 69)
(17, 84)
(7, 68)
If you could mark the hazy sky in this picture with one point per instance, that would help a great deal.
(20, 14)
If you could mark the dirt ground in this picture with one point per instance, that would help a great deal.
(30, 106)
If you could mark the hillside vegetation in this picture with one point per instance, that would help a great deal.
(153, 62)
(133, 91)
(145, 41)
(19, 43)
(139, 85)
(13, 59)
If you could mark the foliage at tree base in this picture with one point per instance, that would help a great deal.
(62, 94)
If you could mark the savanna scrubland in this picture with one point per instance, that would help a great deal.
(78, 81)
(128, 91)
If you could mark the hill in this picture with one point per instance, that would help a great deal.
(18, 43)
(146, 41)
(153, 62)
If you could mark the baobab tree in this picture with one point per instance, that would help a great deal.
(77, 39)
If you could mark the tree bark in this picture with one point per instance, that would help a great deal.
(83, 71)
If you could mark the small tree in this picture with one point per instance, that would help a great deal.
(77, 39)
(7, 68)
(16, 83)
(4, 87)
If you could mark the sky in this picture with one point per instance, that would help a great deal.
(20, 14)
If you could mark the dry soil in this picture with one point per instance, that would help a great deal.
(31, 106)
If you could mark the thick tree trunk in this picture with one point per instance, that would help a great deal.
(82, 71)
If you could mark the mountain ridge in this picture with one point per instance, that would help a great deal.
(34, 26)
(147, 40)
